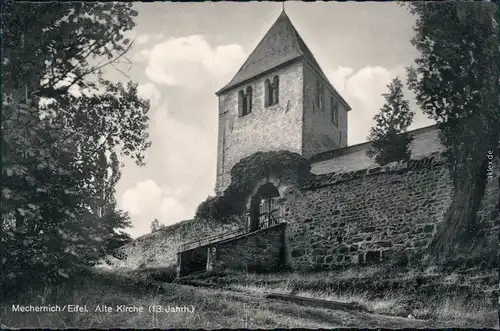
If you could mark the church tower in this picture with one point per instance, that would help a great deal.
(280, 99)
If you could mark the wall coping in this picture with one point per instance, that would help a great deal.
(333, 178)
(167, 230)
(332, 154)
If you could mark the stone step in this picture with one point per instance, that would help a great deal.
(334, 305)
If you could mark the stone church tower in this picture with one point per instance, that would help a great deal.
(280, 99)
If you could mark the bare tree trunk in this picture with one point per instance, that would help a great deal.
(458, 233)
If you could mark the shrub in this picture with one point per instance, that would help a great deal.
(166, 274)
(389, 140)
(287, 166)
(214, 208)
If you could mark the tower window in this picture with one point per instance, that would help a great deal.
(275, 90)
(271, 91)
(334, 111)
(320, 94)
(248, 99)
(245, 101)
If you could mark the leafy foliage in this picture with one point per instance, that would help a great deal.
(213, 208)
(62, 130)
(289, 167)
(456, 83)
(166, 274)
(155, 225)
(389, 140)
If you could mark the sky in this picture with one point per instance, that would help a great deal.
(184, 52)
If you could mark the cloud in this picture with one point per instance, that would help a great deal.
(157, 37)
(149, 91)
(183, 164)
(338, 78)
(188, 157)
(147, 201)
(192, 62)
(146, 38)
(186, 150)
(363, 91)
(142, 39)
(141, 197)
(141, 56)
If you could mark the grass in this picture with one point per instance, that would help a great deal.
(450, 311)
(444, 300)
(239, 301)
(214, 309)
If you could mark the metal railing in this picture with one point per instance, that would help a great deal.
(271, 220)
(211, 239)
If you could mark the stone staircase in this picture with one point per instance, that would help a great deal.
(211, 239)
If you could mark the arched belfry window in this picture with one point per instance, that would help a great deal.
(334, 111)
(245, 101)
(320, 94)
(249, 99)
(267, 93)
(242, 105)
(271, 92)
(276, 87)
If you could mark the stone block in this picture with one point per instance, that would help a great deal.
(429, 228)
(372, 256)
(387, 254)
(343, 250)
(318, 251)
(319, 259)
(298, 253)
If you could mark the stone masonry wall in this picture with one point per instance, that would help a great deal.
(276, 127)
(258, 251)
(371, 214)
(334, 220)
(320, 134)
(425, 141)
(160, 248)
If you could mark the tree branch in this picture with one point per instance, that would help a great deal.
(51, 93)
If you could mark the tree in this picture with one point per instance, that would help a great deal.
(155, 225)
(58, 211)
(114, 220)
(117, 221)
(390, 142)
(456, 83)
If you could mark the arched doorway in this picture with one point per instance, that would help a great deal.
(265, 208)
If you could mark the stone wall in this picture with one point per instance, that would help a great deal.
(425, 142)
(275, 127)
(160, 248)
(333, 220)
(320, 134)
(370, 214)
(260, 251)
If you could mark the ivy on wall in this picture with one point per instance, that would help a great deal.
(245, 175)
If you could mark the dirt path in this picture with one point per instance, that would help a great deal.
(293, 315)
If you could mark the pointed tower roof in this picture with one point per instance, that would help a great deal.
(281, 44)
